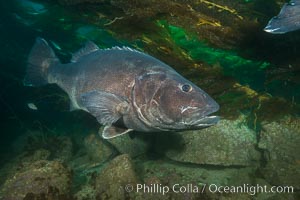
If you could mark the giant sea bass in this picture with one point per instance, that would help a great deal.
(124, 89)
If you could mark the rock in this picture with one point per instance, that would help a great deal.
(64, 151)
(92, 154)
(60, 147)
(40, 154)
(229, 143)
(97, 150)
(13, 166)
(149, 182)
(169, 173)
(126, 145)
(273, 195)
(87, 192)
(264, 195)
(41, 178)
(230, 196)
(111, 182)
(280, 142)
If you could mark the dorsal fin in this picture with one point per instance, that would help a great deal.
(124, 48)
(88, 48)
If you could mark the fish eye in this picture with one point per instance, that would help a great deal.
(186, 88)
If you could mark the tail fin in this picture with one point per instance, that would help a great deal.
(41, 57)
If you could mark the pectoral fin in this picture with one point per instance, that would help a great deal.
(109, 132)
(106, 107)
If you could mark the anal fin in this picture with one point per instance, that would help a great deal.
(111, 131)
(73, 106)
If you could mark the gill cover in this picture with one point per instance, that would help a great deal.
(146, 101)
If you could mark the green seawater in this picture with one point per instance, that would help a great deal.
(246, 71)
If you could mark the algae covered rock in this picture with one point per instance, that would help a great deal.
(59, 147)
(87, 192)
(65, 150)
(39, 154)
(48, 179)
(185, 175)
(280, 141)
(132, 146)
(94, 152)
(13, 166)
(112, 180)
(228, 143)
(97, 150)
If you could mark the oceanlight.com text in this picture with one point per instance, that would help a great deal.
(202, 188)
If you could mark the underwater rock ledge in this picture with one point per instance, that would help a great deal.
(229, 143)
(280, 142)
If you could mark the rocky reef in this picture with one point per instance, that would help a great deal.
(38, 180)
(280, 141)
(229, 154)
(229, 143)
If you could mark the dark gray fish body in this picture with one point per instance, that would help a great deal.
(124, 89)
(287, 20)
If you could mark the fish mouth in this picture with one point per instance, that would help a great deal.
(201, 118)
(204, 122)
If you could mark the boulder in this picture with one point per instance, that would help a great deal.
(97, 150)
(112, 180)
(87, 192)
(168, 173)
(229, 143)
(48, 179)
(23, 159)
(280, 142)
(132, 146)
(64, 151)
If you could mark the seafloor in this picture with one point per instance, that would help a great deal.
(48, 152)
